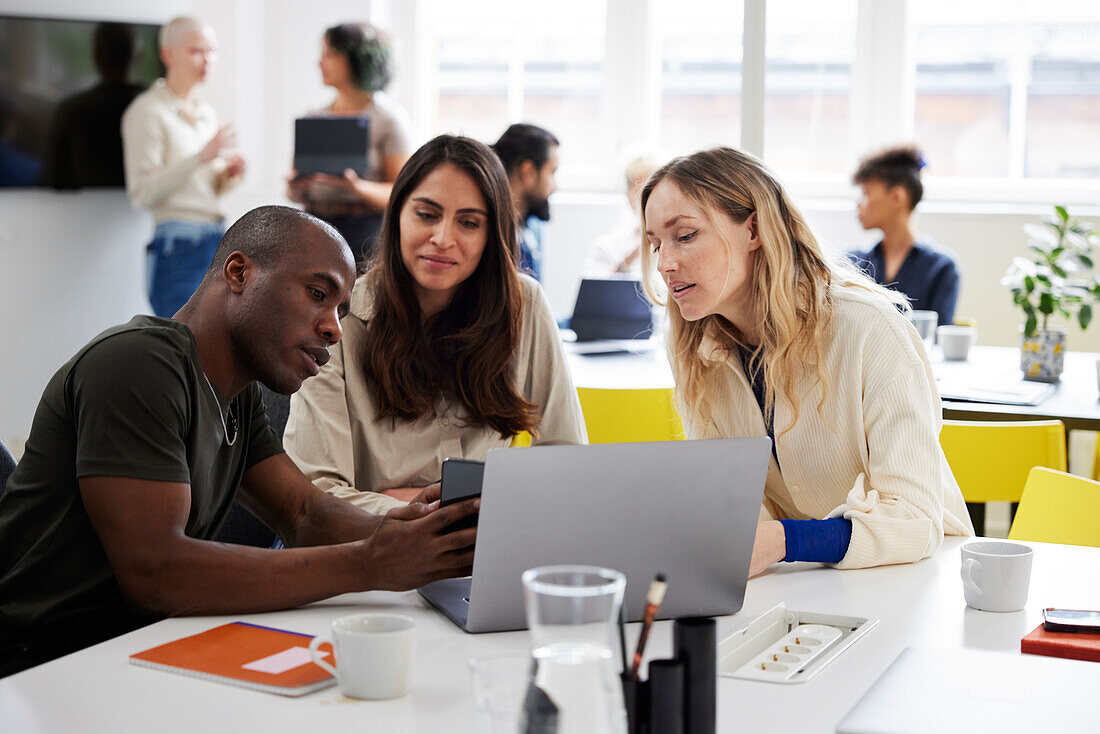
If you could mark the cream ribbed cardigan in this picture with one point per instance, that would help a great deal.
(872, 455)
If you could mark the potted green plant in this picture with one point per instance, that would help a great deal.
(1055, 281)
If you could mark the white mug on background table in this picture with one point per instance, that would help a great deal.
(955, 341)
(996, 575)
(372, 651)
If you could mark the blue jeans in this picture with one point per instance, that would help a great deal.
(176, 259)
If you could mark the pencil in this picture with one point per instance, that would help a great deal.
(653, 601)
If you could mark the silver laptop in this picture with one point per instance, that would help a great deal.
(687, 509)
(930, 691)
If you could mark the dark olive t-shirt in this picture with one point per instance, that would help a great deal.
(132, 403)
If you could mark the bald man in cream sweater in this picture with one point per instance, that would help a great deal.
(178, 164)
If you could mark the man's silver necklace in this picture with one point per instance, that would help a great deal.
(232, 418)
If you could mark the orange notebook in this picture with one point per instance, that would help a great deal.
(243, 654)
(1073, 645)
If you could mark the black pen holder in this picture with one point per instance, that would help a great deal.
(656, 705)
(679, 694)
(695, 643)
(636, 703)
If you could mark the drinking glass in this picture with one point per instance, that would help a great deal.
(500, 686)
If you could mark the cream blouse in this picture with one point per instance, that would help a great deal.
(161, 141)
(333, 437)
(872, 455)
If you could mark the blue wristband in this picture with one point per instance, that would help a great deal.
(818, 541)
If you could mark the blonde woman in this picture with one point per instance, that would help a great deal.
(769, 337)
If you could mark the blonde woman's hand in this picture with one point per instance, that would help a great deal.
(770, 546)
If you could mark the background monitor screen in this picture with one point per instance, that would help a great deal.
(63, 87)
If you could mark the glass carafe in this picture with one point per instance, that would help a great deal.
(571, 612)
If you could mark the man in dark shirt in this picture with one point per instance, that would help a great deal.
(142, 439)
(902, 260)
(530, 157)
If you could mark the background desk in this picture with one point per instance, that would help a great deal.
(1074, 400)
(97, 690)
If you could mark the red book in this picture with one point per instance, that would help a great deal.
(1073, 645)
(242, 654)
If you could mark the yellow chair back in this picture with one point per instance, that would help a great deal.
(1058, 508)
(991, 460)
(521, 440)
(621, 416)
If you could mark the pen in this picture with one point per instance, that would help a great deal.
(653, 601)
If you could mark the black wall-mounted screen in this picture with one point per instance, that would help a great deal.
(63, 87)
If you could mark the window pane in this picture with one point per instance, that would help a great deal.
(808, 86)
(1018, 96)
(1063, 93)
(496, 62)
(700, 45)
(963, 53)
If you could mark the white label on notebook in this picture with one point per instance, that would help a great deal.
(280, 662)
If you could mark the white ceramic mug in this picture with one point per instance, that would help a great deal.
(955, 341)
(996, 575)
(372, 654)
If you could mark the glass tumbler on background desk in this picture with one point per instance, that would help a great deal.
(571, 612)
(925, 324)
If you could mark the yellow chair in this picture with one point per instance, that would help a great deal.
(991, 460)
(1058, 508)
(521, 440)
(620, 416)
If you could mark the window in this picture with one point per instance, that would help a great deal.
(1008, 90)
(1062, 137)
(808, 86)
(700, 78)
(998, 90)
(493, 63)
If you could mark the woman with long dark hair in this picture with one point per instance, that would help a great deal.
(447, 350)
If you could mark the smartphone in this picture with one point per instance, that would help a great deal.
(1071, 620)
(461, 481)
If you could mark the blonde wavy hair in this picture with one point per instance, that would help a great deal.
(793, 286)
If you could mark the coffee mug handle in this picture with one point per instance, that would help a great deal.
(967, 573)
(316, 656)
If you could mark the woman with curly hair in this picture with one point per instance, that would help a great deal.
(769, 337)
(903, 260)
(447, 352)
(356, 62)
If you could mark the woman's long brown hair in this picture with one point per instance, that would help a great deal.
(464, 352)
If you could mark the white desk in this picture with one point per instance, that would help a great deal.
(1073, 401)
(97, 690)
(627, 371)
